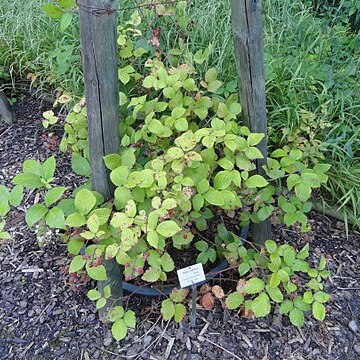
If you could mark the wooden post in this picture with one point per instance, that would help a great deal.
(248, 40)
(98, 24)
(6, 110)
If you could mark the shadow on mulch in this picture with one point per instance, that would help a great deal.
(42, 318)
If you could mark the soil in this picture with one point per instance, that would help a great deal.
(45, 315)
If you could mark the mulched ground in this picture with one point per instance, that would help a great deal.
(42, 317)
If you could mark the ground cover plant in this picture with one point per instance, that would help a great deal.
(312, 65)
(185, 160)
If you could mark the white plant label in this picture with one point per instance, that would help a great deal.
(191, 275)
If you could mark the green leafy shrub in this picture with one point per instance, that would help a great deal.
(185, 162)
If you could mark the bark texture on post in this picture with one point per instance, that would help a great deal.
(98, 23)
(6, 111)
(246, 18)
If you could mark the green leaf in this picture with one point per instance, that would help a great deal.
(116, 313)
(112, 161)
(201, 245)
(93, 294)
(119, 175)
(214, 197)
(35, 213)
(303, 191)
(93, 223)
(122, 196)
(243, 268)
(308, 297)
(54, 195)
(100, 303)
(167, 309)
(274, 280)
(65, 21)
(4, 208)
(178, 295)
(296, 317)
(75, 220)
(261, 305)
(293, 180)
(48, 168)
(55, 218)
(286, 307)
(52, 11)
(255, 138)
(74, 246)
(168, 228)
(67, 4)
(119, 329)
(77, 263)
(234, 300)
(318, 311)
(152, 274)
(111, 251)
(96, 272)
(254, 285)
(84, 201)
(321, 297)
(130, 319)
(80, 165)
(153, 238)
(271, 246)
(180, 312)
(16, 195)
(223, 180)
(28, 180)
(256, 181)
(167, 263)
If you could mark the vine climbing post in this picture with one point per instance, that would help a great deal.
(246, 18)
(98, 24)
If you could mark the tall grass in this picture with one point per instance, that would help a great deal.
(312, 71)
(30, 43)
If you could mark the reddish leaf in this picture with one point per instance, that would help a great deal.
(207, 301)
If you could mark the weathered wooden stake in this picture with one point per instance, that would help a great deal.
(99, 54)
(248, 40)
(6, 111)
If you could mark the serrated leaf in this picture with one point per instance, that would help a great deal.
(318, 311)
(180, 312)
(84, 201)
(286, 306)
(168, 228)
(48, 168)
(75, 220)
(214, 197)
(80, 165)
(119, 175)
(28, 180)
(152, 274)
(271, 246)
(254, 285)
(167, 263)
(74, 246)
(296, 317)
(130, 319)
(261, 305)
(321, 297)
(55, 218)
(234, 300)
(178, 295)
(96, 272)
(119, 329)
(243, 268)
(167, 309)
